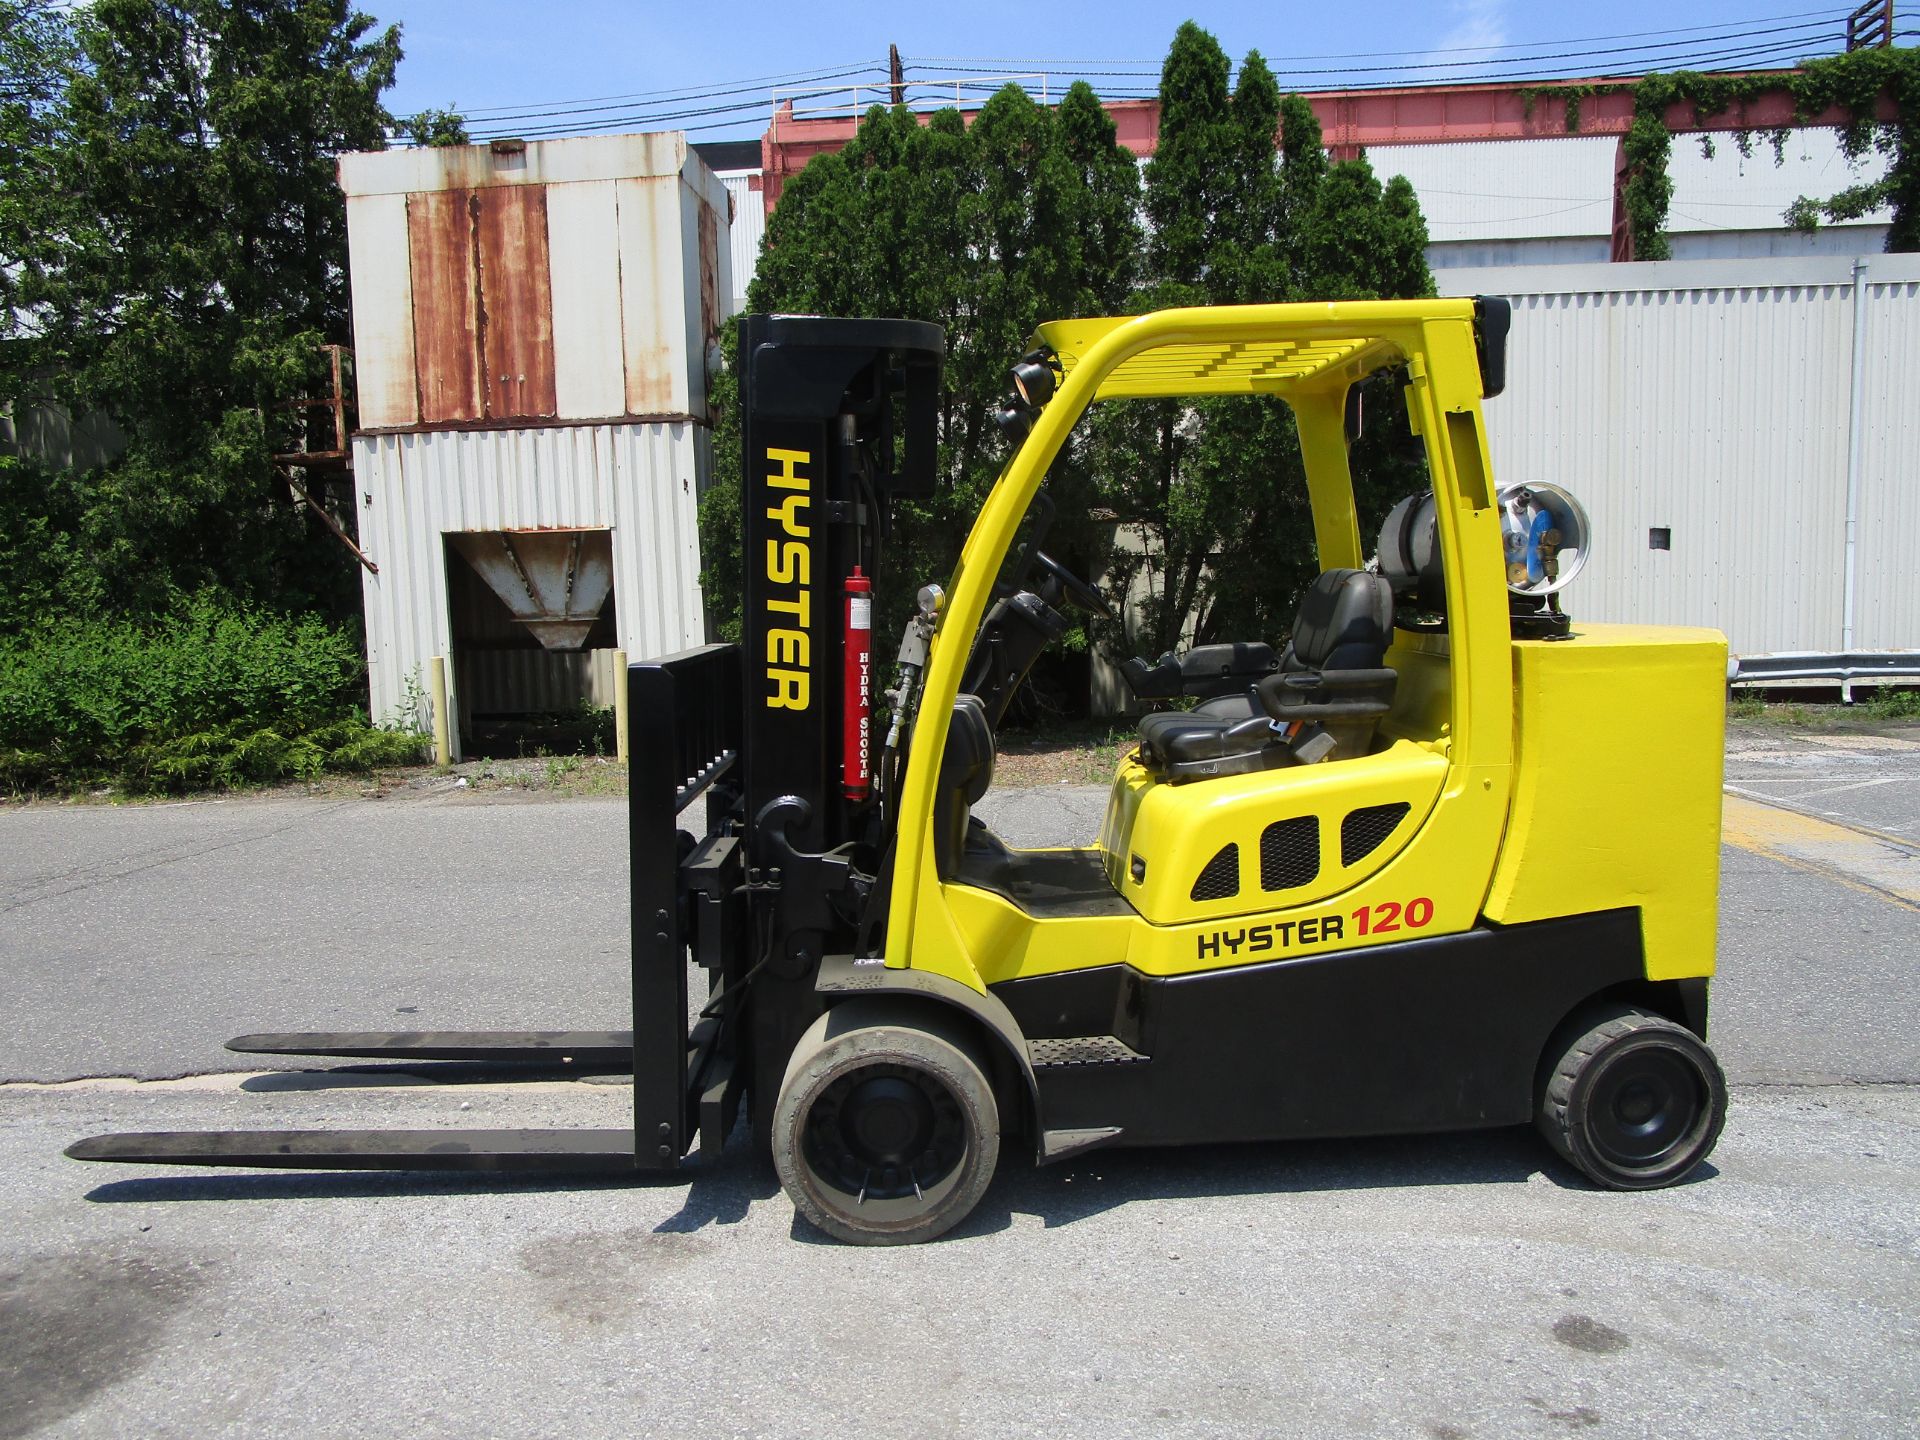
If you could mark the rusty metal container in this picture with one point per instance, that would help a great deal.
(534, 325)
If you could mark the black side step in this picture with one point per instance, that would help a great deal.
(612, 1048)
(561, 1150)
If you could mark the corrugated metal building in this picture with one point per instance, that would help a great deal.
(534, 325)
(1715, 407)
(749, 229)
(737, 164)
(1532, 202)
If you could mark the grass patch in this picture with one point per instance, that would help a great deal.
(1881, 706)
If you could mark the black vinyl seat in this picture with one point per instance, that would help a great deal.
(966, 773)
(1323, 703)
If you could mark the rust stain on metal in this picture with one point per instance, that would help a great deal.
(516, 341)
(654, 293)
(709, 273)
(446, 319)
(479, 297)
(538, 422)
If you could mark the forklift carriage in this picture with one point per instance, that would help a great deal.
(1417, 869)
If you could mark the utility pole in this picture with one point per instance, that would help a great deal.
(897, 83)
(1871, 26)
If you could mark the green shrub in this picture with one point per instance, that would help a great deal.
(1891, 704)
(214, 694)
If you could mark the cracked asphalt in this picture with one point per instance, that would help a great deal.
(1440, 1287)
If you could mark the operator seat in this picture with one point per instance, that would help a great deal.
(1323, 703)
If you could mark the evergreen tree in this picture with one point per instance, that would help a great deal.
(1215, 534)
(186, 258)
(987, 230)
(1026, 217)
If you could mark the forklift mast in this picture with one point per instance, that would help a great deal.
(823, 460)
(838, 422)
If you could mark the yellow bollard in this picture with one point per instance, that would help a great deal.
(620, 705)
(442, 737)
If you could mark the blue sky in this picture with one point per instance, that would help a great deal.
(489, 54)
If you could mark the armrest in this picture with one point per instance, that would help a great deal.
(1204, 672)
(1231, 669)
(1152, 680)
(1328, 694)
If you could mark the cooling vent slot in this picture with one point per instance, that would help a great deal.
(1220, 880)
(1364, 831)
(1290, 853)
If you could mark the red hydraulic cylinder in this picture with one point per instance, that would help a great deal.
(856, 778)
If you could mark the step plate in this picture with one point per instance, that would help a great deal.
(1082, 1050)
(562, 1150)
(550, 1047)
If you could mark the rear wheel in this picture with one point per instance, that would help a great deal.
(886, 1131)
(1632, 1100)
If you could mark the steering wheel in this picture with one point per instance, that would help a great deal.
(1071, 585)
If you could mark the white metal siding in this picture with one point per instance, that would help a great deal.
(1495, 190)
(749, 227)
(1731, 191)
(1550, 250)
(583, 241)
(655, 296)
(382, 310)
(1713, 399)
(1507, 189)
(541, 162)
(1887, 592)
(638, 480)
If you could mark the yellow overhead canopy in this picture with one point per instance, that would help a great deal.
(1230, 365)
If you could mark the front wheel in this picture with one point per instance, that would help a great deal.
(886, 1131)
(1632, 1100)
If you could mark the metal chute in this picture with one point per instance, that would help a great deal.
(554, 582)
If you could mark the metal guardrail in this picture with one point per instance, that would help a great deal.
(1848, 667)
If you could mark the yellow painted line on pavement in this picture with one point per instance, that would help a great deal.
(1864, 860)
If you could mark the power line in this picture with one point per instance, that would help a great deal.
(1831, 15)
(1716, 34)
(1773, 43)
(1749, 58)
(572, 107)
(1782, 39)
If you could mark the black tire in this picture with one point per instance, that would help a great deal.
(1631, 1100)
(886, 1131)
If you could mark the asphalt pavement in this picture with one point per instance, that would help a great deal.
(1437, 1287)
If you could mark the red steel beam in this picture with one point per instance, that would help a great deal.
(1354, 120)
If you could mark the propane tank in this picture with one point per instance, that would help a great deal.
(856, 777)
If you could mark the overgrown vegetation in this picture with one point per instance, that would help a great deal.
(1029, 215)
(1858, 84)
(172, 255)
(1882, 704)
(212, 694)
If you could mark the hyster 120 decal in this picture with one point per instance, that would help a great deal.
(1381, 919)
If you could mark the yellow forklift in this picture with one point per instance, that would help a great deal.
(1444, 859)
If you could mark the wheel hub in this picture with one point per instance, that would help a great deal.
(886, 1121)
(884, 1132)
(1644, 1106)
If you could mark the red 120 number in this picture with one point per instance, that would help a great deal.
(1388, 915)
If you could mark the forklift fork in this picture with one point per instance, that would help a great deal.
(686, 712)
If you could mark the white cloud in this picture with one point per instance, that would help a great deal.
(1477, 24)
